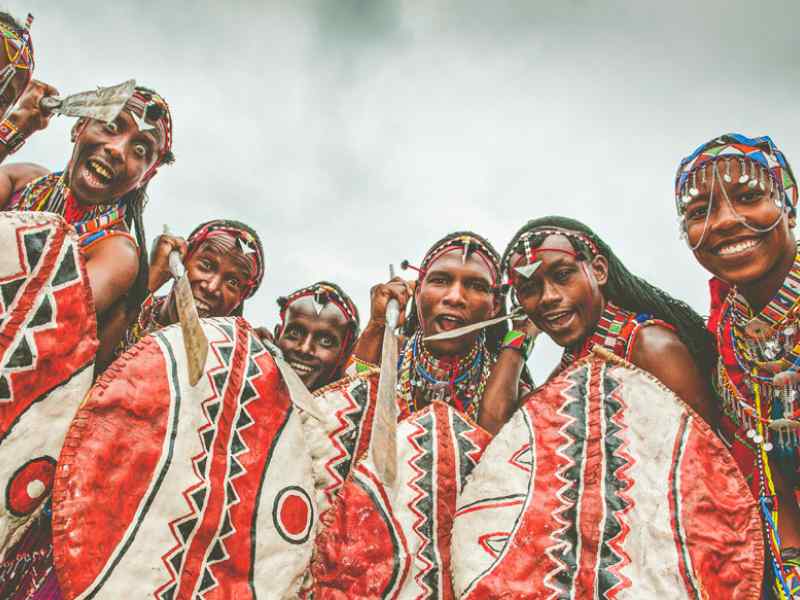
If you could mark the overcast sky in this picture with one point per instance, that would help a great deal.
(355, 133)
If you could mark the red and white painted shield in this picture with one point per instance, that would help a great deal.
(337, 443)
(605, 485)
(165, 490)
(48, 340)
(389, 542)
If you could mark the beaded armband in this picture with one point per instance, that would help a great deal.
(519, 341)
(10, 136)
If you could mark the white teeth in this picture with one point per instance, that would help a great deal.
(301, 367)
(737, 247)
(557, 317)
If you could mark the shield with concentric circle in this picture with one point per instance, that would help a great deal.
(48, 341)
(170, 491)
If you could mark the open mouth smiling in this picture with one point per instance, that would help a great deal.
(99, 173)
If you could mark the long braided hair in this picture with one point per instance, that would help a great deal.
(625, 289)
(495, 333)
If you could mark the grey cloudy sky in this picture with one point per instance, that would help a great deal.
(354, 133)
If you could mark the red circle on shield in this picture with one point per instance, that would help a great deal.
(30, 485)
(293, 514)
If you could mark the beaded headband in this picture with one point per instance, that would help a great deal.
(530, 254)
(768, 168)
(247, 244)
(468, 244)
(321, 293)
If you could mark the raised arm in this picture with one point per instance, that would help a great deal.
(368, 347)
(502, 394)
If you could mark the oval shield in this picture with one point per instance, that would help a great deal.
(165, 490)
(605, 485)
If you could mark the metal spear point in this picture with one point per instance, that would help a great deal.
(103, 104)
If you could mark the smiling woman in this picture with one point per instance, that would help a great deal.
(736, 198)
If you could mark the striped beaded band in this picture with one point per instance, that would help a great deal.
(519, 341)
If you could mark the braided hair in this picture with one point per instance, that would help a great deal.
(625, 289)
(328, 292)
(495, 333)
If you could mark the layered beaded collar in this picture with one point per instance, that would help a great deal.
(459, 382)
(766, 420)
(50, 193)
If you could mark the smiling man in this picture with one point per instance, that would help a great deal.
(737, 199)
(573, 287)
(318, 328)
(224, 262)
(457, 285)
(101, 193)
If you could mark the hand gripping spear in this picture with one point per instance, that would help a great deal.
(103, 104)
(195, 341)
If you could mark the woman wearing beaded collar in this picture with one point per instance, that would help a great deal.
(572, 286)
(457, 285)
(736, 199)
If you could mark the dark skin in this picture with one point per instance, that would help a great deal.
(313, 344)
(450, 295)
(564, 297)
(107, 162)
(756, 263)
(217, 272)
(758, 270)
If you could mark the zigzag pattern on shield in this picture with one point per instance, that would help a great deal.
(213, 496)
(605, 485)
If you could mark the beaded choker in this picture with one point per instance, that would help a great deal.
(610, 332)
(460, 382)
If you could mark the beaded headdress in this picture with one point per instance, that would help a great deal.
(247, 241)
(768, 167)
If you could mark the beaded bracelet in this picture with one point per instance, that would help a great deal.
(10, 136)
(519, 341)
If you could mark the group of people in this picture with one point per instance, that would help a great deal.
(736, 200)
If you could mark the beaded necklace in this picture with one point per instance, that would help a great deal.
(423, 376)
(765, 416)
(50, 193)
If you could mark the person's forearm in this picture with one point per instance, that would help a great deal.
(501, 396)
(370, 344)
